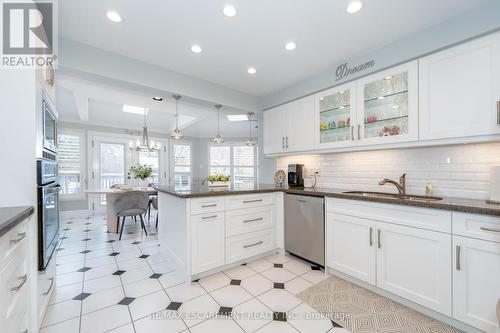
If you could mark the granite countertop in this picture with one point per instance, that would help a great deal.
(452, 204)
(12, 216)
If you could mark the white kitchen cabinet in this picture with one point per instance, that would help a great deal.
(459, 90)
(335, 117)
(207, 242)
(387, 106)
(289, 127)
(476, 282)
(415, 264)
(350, 246)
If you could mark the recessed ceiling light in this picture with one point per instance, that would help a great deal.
(196, 48)
(251, 70)
(354, 6)
(158, 98)
(114, 16)
(237, 117)
(229, 10)
(134, 109)
(290, 46)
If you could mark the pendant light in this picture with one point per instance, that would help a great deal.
(144, 144)
(218, 139)
(176, 134)
(250, 142)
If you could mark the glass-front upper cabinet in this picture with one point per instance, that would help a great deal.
(336, 116)
(388, 106)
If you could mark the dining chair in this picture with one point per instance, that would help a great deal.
(130, 204)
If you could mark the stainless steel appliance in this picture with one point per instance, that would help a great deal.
(49, 126)
(48, 210)
(295, 178)
(305, 227)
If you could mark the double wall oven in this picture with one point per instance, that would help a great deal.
(48, 188)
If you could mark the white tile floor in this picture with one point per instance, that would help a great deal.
(107, 285)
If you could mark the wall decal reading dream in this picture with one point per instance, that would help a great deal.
(344, 70)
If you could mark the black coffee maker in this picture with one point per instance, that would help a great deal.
(295, 175)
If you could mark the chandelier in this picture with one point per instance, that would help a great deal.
(218, 139)
(251, 141)
(176, 134)
(144, 144)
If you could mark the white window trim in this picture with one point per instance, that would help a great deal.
(172, 160)
(83, 179)
(231, 159)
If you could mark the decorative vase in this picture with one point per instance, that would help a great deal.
(218, 184)
(141, 183)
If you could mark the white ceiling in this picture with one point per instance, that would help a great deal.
(161, 32)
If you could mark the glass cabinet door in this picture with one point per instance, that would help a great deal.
(387, 105)
(335, 111)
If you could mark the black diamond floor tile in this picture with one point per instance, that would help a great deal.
(235, 282)
(315, 268)
(279, 316)
(84, 269)
(225, 311)
(119, 272)
(85, 251)
(174, 306)
(335, 324)
(155, 276)
(110, 241)
(81, 297)
(135, 243)
(144, 256)
(126, 301)
(114, 254)
(278, 285)
(278, 265)
(86, 239)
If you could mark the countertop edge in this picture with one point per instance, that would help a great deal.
(11, 221)
(441, 205)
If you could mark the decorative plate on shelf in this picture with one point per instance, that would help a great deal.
(279, 177)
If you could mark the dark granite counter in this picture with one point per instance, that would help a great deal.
(12, 216)
(452, 204)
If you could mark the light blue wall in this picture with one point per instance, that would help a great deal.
(480, 21)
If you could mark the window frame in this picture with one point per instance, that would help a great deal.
(232, 166)
(83, 180)
(172, 161)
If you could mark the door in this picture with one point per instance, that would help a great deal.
(414, 264)
(460, 90)
(351, 246)
(207, 242)
(387, 107)
(335, 117)
(300, 130)
(275, 125)
(476, 283)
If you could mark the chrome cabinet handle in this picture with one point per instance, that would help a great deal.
(283, 142)
(208, 206)
(21, 237)
(359, 132)
(378, 238)
(250, 201)
(352, 133)
(253, 220)
(209, 217)
(23, 279)
(498, 112)
(286, 141)
(254, 244)
(371, 236)
(457, 255)
(50, 288)
(490, 229)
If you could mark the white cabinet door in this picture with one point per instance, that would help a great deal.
(335, 117)
(351, 246)
(415, 264)
(387, 108)
(207, 242)
(459, 90)
(476, 283)
(275, 126)
(300, 130)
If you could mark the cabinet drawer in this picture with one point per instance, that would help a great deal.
(249, 201)
(476, 226)
(14, 283)
(46, 284)
(208, 205)
(11, 241)
(417, 217)
(248, 245)
(248, 220)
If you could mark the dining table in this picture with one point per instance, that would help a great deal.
(111, 195)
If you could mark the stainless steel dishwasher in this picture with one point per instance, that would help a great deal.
(305, 227)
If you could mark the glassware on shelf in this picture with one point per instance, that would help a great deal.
(335, 113)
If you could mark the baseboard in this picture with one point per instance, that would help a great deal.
(433, 314)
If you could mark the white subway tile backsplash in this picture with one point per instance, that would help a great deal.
(461, 171)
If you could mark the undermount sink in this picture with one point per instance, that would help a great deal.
(394, 196)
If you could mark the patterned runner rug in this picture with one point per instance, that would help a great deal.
(360, 310)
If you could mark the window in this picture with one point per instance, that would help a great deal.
(152, 159)
(70, 164)
(182, 165)
(235, 160)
